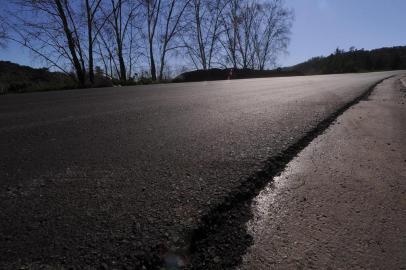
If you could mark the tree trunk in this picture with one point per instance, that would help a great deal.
(90, 41)
(80, 73)
(123, 71)
(161, 68)
(153, 68)
(202, 50)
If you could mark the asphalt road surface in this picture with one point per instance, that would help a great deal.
(121, 177)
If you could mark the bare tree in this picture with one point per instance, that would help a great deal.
(255, 32)
(231, 23)
(91, 7)
(49, 29)
(3, 33)
(114, 34)
(245, 33)
(201, 37)
(172, 21)
(118, 42)
(164, 23)
(134, 45)
(152, 14)
(272, 29)
(65, 14)
(119, 26)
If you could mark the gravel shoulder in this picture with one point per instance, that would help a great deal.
(341, 203)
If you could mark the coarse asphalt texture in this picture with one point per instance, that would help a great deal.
(122, 177)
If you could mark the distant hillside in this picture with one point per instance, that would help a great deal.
(355, 61)
(338, 62)
(15, 79)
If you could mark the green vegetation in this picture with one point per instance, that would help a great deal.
(355, 61)
(15, 79)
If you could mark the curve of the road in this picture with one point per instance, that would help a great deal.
(122, 176)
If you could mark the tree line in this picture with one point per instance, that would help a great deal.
(355, 60)
(126, 39)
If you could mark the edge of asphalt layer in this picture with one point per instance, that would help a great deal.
(221, 239)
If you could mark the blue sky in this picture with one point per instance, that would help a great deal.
(323, 25)
(320, 26)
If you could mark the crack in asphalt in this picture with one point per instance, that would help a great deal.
(221, 239)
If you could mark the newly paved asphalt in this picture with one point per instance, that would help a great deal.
(100, 177)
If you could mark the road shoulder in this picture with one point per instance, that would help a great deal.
(341, 203)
